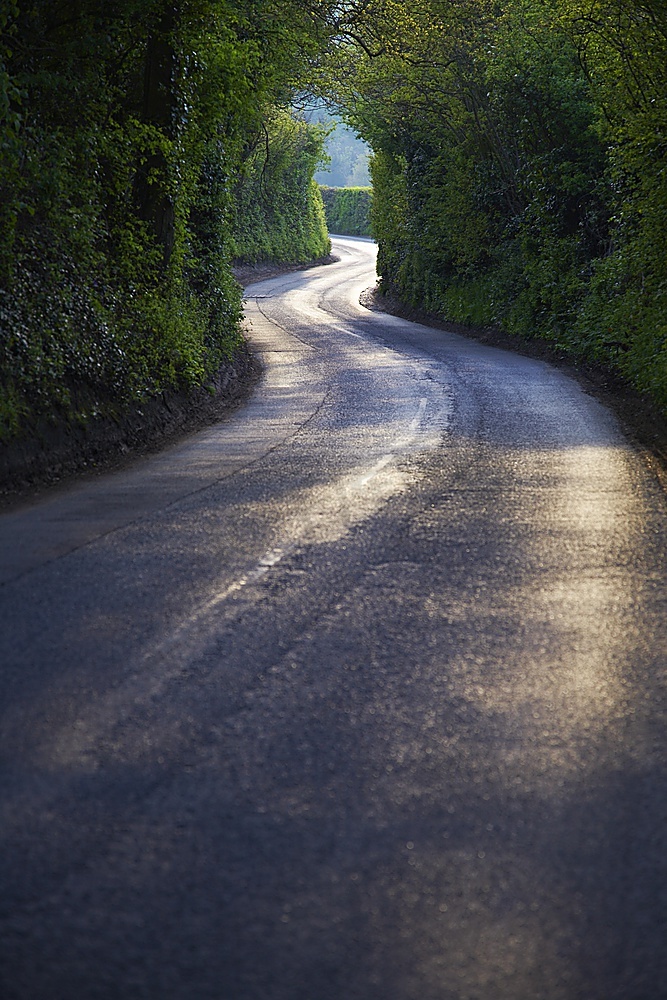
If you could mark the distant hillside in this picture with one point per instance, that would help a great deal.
(349, 156)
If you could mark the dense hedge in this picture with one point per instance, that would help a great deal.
(348, 210)
(125, 129)
(278, 210)
(520, 169)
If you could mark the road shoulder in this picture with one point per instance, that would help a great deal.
(56, 455)
(642, 422)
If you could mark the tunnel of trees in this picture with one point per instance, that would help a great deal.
(519, 173)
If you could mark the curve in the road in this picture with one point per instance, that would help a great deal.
(359, 694)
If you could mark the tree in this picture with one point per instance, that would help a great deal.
(519, 166)
(125, 129)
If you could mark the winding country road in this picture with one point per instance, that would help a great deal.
(357, 695)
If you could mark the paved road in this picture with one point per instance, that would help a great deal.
(359, 695)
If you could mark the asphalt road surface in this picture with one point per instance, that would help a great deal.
(357, 695)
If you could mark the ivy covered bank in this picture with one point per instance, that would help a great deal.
(144, 146)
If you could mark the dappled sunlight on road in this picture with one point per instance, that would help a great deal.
(371, 706)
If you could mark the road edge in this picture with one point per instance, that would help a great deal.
(55, 455)
(642, 422)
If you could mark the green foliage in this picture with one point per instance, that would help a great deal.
(519, 168)
(348, 210)
(390, 214)
(124, 131)
(278, 211)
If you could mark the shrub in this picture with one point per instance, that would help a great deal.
(348, 210)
